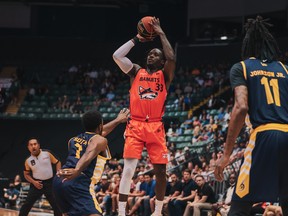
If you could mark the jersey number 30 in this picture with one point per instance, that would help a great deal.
(275, 98)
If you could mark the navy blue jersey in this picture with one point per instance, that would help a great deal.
(77, 147)
(267, 84)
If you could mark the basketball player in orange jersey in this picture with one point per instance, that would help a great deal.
(148, 93)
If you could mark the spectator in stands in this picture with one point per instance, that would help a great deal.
(200, 80)
(17, 182)
(179, 156)
(178, 90)
(186, 102)
(31, 94)
(58, 104)
(77, 106)
(103, 198)
(212, 162)
(139, 192)
(14, 89)
(187, 153)
(204, 117)
(196, 122)
(115, 195)
(174, 188)
(219, 155)
(205, 171)
(188, 122)
(110, 95)
(224, 207)
(204, 198)
(145, 200)
(174, 130)
(11, 195)
(221, 114)
(65, 103)
(177, 204)
(188, 88)
(2, 103)
(196, 171)
(211, 102)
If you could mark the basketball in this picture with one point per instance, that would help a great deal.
(145, 29)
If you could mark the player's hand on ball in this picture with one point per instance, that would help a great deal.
(155, 22)
(142, 39)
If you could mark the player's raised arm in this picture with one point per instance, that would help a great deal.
(170, 63)
(121, 118)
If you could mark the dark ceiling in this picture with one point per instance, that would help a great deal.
(95, 3)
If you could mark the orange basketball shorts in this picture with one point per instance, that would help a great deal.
(149, 134)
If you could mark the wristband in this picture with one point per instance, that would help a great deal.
(135, 40)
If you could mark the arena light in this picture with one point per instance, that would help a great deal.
(223, 37)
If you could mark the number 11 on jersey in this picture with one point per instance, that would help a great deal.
(275, 98)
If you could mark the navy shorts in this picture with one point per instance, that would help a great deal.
(76, 197)
(263, 175)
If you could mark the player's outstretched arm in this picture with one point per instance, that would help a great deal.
(237, 120)
(121, 118)
(96, 145)
(170, 64)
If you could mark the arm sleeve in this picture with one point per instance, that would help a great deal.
(120, 58)
(236, 76)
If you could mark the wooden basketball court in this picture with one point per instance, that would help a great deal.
(9, 212)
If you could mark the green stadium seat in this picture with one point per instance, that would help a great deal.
(45, 115)
(60, 116)
(110, 109)
(172, 139)
(188, 138)
(38, 110)
(188, 132)
(184, 114)
(105, 115)
(171, 114)
(22, 115)
(112, 115)
(68, 115)
(117, 109)
(102, 109)
(31, 116)
(52, 116)
(180, 139)
(76, 116)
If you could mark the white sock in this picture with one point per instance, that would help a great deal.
(158, 207)
(122, 208)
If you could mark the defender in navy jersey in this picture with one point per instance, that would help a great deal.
(260, 84)
(74, 184)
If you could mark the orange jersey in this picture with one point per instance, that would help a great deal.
(147, 96)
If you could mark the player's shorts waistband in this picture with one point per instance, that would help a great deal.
(145, 119)
(272, 126)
